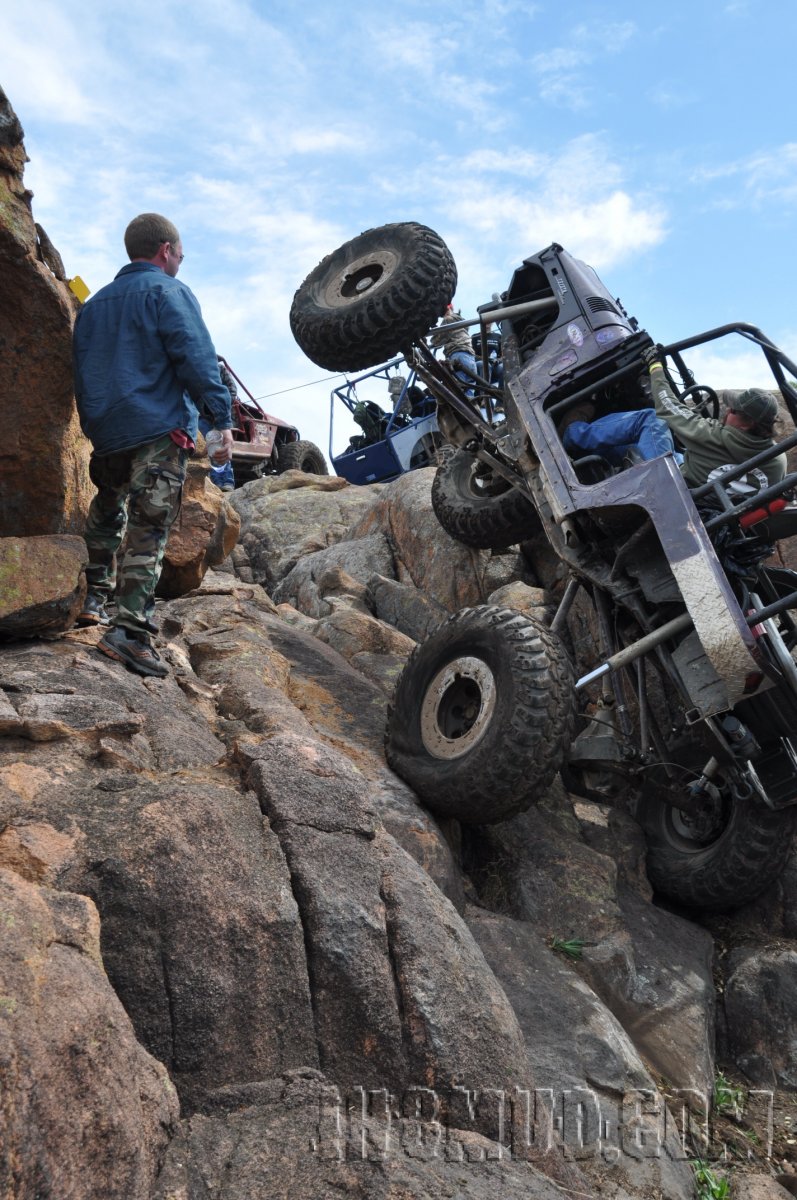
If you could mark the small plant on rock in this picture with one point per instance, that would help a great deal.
(728, 1099)
(708, 1185)
(572, 948)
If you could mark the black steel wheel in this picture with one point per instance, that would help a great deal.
(478, 507)
(374, 295)
(301, 456)
(482, 715)
(723, 858)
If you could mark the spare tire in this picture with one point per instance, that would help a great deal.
(301, 456)
(478, 507)
(373, 296)
(483, 715)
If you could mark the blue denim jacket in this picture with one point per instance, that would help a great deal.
(144, 362)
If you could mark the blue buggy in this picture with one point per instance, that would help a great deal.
(390, 440)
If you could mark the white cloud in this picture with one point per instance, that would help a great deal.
(498, 9)
(323, 141)
(556, 62)
(60, 95)
(763, 177)
(727, 364)
(609, 39)
(567, 74)
(604, 231)
(416, 46)
(577, 197)
(524, 163)
(773, 174)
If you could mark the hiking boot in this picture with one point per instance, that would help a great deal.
(134, 650)
(228, 487)
(93, 611)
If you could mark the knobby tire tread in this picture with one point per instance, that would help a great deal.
(374, 328)
(517, 759)
(742, 863)
(298, 456)
(482, 522)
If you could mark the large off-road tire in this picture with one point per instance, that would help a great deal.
(301, 456)
(373, 296)
(479, 509)
(721, 870)
(482, 715)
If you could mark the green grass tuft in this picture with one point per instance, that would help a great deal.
(709, 1186)
(572, 948)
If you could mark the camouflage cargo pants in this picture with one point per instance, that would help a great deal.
(138, 493)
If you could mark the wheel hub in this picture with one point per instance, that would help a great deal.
(359, 277)
(703, 825)
(486, 483)
(457, 707)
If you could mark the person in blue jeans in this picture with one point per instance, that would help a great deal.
(615, 434)
(495, 366)
(222, 476)
(456, 346)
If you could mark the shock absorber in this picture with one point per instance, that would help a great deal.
(702, 788)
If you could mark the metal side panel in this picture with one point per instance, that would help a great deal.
(404, 441)
(368, 465)
(658, 488)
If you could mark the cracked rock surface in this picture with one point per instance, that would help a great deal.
(271, 904)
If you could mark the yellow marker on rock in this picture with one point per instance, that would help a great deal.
(79, 288)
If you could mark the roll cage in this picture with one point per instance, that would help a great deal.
(393, 440)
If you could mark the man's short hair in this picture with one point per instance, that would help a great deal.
(146, 233)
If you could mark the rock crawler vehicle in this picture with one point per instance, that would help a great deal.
(390, 441)
(266, 445)
(666, 679)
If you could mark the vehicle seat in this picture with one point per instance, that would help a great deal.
(592, 468)
(371, 419)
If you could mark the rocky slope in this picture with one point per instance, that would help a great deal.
(240, 959)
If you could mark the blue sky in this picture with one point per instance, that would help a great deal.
(656, 142)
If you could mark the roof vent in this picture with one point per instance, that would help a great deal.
(601, 304)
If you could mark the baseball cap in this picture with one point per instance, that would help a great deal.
(758, 406)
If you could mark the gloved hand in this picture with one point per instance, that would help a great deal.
(651, 355)
(223, 454)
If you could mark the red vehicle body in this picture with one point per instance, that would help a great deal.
(264, 444)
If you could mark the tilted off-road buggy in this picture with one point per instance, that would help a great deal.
(666, 678)
(390, 440)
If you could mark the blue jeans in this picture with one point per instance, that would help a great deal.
(461, 358)
(222, 475)
(613, 435)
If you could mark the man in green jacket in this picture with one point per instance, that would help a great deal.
(746, 429)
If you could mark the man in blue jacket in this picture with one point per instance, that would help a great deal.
(144, 364)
